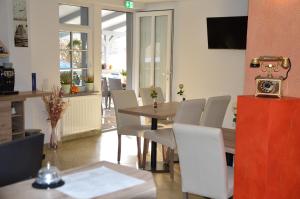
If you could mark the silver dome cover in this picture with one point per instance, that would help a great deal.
(48, 175)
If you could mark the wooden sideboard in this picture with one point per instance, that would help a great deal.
(12, 118)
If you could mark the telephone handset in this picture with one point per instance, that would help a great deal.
(270, 85)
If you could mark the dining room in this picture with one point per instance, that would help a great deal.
(209, 107)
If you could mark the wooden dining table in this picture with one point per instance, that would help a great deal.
(163, 111)
(146, 189)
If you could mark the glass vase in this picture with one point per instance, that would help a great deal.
(53, 139)
(154, 103)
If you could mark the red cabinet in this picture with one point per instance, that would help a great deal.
(267, 159)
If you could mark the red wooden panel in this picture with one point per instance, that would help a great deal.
(267, 157)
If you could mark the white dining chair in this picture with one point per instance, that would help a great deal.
(188, 112)
(214, 111)
(127, 124)
(105, 92)
(114, 84)
(202, 161)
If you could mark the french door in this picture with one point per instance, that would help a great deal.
(153, 50)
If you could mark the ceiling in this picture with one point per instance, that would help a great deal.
(153, 1)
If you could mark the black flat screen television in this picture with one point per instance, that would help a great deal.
(227, 32)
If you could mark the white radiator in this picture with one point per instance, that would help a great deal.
(83, 114)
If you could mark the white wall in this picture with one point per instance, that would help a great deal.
(20, 57)
(43, 37)
(205, 72)
(41, 57)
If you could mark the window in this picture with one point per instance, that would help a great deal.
(73, 43)
(74, 55)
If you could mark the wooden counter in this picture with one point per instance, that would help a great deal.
(23, 95)
(12, 117)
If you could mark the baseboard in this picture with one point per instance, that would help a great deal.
(81, 135)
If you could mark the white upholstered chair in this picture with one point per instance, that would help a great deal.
(188, 112)
(202, 161)
(127, 124)
(214, 111)
(114, 84)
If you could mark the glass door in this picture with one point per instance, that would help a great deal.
(153, 50)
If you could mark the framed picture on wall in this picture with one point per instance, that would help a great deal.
(20, 23)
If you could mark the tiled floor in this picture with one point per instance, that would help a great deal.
(84, 151)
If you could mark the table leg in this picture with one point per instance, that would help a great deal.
(153, 145)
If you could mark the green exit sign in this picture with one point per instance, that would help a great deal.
(129, 4)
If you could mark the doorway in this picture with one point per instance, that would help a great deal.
(154, 50)
(116, 59)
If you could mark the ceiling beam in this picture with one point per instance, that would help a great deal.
(70, 16)
(111, 16)
(116, 26)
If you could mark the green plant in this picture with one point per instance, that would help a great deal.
(153, 93)
(89, 80)
(124, 73)
(65, 78)
(181, 91)
(76, 44)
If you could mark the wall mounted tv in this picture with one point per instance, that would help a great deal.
(227, 32)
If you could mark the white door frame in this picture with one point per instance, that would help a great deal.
(136, 44)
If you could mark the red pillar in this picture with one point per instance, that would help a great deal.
(267, 160)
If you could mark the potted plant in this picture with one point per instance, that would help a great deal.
(153, 95)
(90, 83)
(66, 81)
(55, 106)
(123, 76)
(181, 91)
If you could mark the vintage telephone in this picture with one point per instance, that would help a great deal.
(270, 85)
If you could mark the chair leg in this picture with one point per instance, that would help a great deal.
(185, 195)
(138, 142)
(165, 153)
(109, 102)
(105, 99)
(145, 151)
(119, 147)
(171, 163)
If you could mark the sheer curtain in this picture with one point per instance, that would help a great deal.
(160, 63)
(146, 54)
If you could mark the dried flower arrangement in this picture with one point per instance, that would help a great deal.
(55, 106)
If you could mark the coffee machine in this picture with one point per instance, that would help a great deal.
(7, 80)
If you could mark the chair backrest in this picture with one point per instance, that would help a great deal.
(104, 86)
(145, 94)
(21, 159)
(114, 84)
(214, 111)
(202, 160)
(125, 99)
(189, 112)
